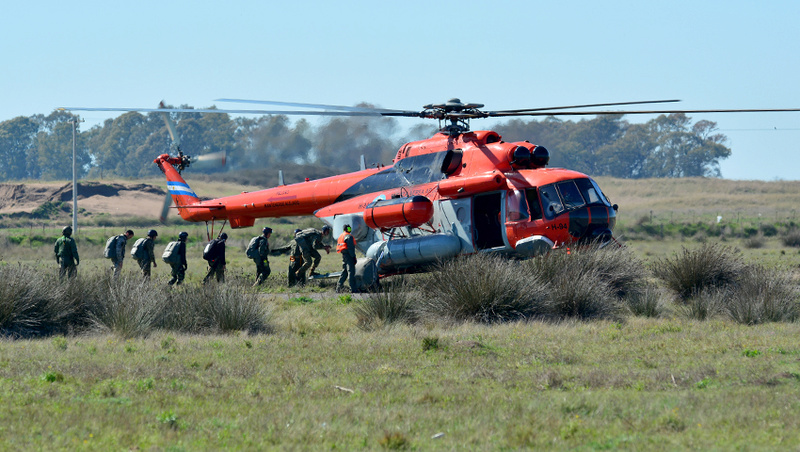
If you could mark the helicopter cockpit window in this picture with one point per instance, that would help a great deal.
(550, 201)
(570, 194)
(516, 206)
(591, 192)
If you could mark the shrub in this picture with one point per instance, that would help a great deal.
(130, 306)
(391, 304)
(692, 271)
(704, 305)
(792, 238)
(645, 303)
(754, 241)
(762, 295)
(32, 305)
(483, 288)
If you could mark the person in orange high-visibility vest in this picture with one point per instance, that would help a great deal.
(347, 246)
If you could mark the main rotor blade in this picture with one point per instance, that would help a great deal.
(610, 104)
(642, 112)
(244, 112)
(302, 105)
(215, 110)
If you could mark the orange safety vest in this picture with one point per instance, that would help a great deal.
(340, 245)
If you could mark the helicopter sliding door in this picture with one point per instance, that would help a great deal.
(487, 214)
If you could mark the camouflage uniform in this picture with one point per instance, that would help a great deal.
(67, 256)
(150, 257)
(179, 270)
(262, 261)
(308, 240)
(295, 262)
(116, 263)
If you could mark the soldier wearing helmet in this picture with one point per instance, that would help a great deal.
(180, 266)
(346, 245)
(146, 252)
(258, 250)
(67, 253)
(214, 253)
(309, 240)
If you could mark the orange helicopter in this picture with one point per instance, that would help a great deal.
(458, 192)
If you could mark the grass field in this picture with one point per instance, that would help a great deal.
(316, 380)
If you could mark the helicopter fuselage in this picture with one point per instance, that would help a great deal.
(444, 196)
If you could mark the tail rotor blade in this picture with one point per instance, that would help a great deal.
(210, 161)
(173, 134)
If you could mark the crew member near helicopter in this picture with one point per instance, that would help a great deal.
(215, 255)
(67, 253)
(148, 254)
(346, 245)
(180, 265)
(308, 240)
(258, 250)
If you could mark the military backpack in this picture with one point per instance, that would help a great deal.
(110, 251)
(252, 248)
(171, 254)
(138, 250)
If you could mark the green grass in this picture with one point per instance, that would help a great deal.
(641, 384)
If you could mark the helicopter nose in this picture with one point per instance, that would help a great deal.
(592, 223)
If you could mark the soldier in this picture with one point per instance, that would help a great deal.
(347, 246)
(146, 255)
(179, 268)
(67, 253)
(216, 258)
(295, 261)
(258, 250)
(308, 240)
(117, 255)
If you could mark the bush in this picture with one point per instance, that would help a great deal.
(692, 271)
(705, 304)
(32, 305)
(483, 288)
(792, 238)
(762, 295)
(645, 303)
(391, 304)
(755, 241)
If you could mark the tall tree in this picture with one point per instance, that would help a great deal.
(17, 141)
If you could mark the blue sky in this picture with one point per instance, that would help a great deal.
(508, 54)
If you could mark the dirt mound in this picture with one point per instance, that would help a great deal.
(94, 197)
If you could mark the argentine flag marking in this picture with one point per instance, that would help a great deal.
(179, 188)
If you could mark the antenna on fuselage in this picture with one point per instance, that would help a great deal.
(280, 178)
(363, 163)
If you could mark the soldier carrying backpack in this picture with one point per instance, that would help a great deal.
(258, 250)
(143, 252)
(214, 253)
(115, 250)
(175, 256)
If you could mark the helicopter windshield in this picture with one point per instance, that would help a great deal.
(570, 195)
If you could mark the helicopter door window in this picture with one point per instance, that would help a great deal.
(533, 203)
(551, 203)
(516, 206)
(571, 195)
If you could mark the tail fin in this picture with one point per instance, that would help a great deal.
(180, 191)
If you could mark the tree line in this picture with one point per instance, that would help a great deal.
(40, 147)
